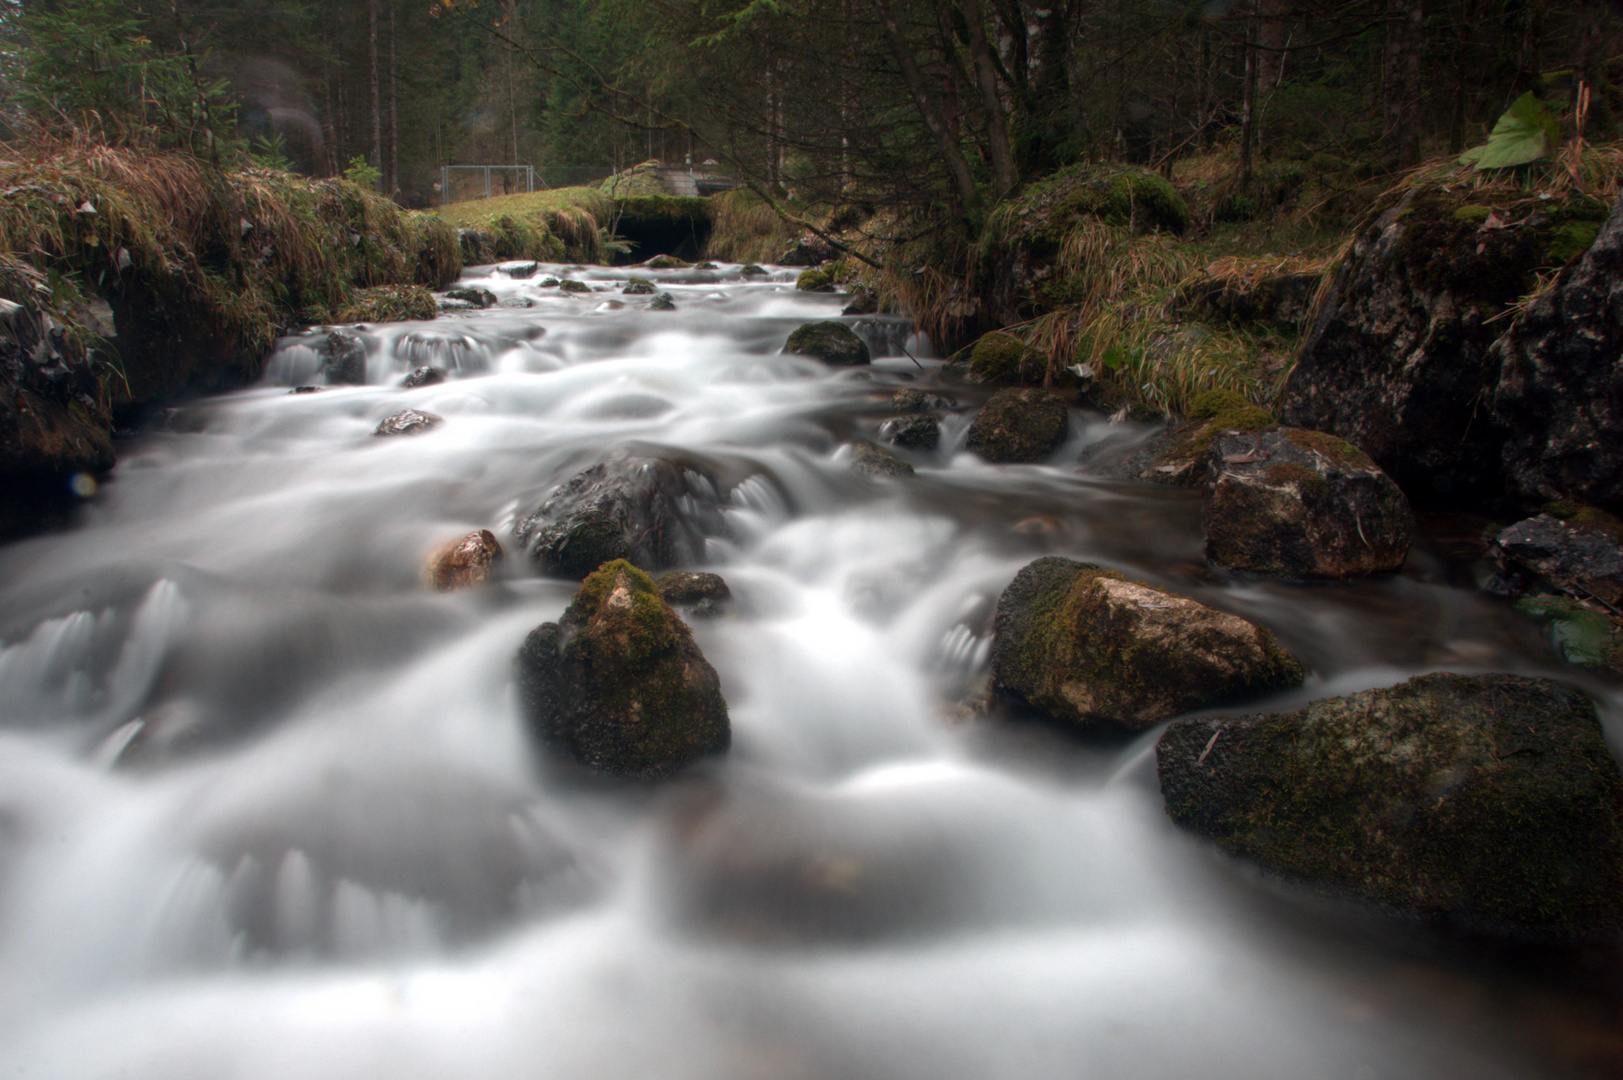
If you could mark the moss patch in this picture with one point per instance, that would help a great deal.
(815, 280)
(1002, 358)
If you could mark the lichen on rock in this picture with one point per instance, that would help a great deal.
(618, 683)
(1091, 649)
(1488, 801)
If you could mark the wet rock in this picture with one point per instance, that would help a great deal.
(999, 358)
(1491, 801)
(662, 302)
(343, 358)
(915, 432)
(808, 251)
(1399, 362)
(1557, 396)
(570, 285)
(814, 280)
(1302, 504)
(427, 375)
(516, 302)
(1579, 632)
(697, 593)
(408, 422)
(666, 262)
(464, 562)
(863, 302)
(829, 341)
(752, 271)
(639, 287)
(548, 282)
(877, 461)
(618, 684)
(1091, 649)
(1019, 425)
(1579, 552)
(1178, 457)
(521, 270)
(480, 298)
(305, 390)
(455, 305)
(653, 512)
(706, 266)
(909, 399)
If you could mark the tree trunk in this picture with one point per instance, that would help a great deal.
(997, 130)
(963, 182)
(394, 104)
(377, 105)
(1400, 84)
(1248, 98)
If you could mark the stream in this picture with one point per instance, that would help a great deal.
(268, 807)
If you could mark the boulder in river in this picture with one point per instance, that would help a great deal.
(752, 271)
(521, 270)
(916, 431)
(1490, 801)
(1302, 504)
(570, 285)
(1001, 358)
(877, 461)
(618, 683)
(1091, 649)
(343, 358)
(1558, 392)
(1021, 424)
(426, 375)
(666, 262)
(662, 302)
(654, 512)
(863, 302)
(815, 280)
(1571, 549)
(465, 561)
(408, 422)
(481, 298)
(829, 341)
(696, 593)
(1178, 457)
(639, 287)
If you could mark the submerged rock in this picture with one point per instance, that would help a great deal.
(639, 287)
(1019, 425)
(343, 358)
(662, 302)
(480, 298)
(1086, 647)
(618, 683)
(653, 512)
(465, 561)
(1490, 801)
(1302, 504)
(426, 375)
(915, 432)
(877, 461)
(408, 422)
(752, 271)
(829, 341)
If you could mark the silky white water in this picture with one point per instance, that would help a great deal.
(268, 807)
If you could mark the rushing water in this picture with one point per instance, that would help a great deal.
(267, 806)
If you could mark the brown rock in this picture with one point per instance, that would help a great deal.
(1019, 425)
(408, 422)
(463, 562)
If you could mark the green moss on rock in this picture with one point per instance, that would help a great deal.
(829, 341)
(815, 280)
(1088, 648)
(618, 684)
(1001, 358)
(1021, 424)
(1489, 801)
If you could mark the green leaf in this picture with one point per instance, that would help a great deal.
(1527, 132)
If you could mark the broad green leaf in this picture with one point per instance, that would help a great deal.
(1527, 132)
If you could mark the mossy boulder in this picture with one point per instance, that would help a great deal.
(1400, 361)
(1302, 504)
(408, 422)
(863, 302)
(916, 431)
(1557, 397)
(1490, 802)
(618, 684)
(1019, 425)
(570, 285)
(829, 341)
(1579, 632)
(464, 561)
(815, 280)
(1091, 649)
(752, 271)
(874, 460)
(666, 262)
(639, 287)
(1000, 358)
(662, 302)
(651, 511)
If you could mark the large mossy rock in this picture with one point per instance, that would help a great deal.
(1560, 392)
(1490, 801)
(618, 683)
(652, 511)
(829, 341)
(1569, 549)
(1400, 362)
(1019, 425)
(999, 358)
(1302, 504)
(1086, 647)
